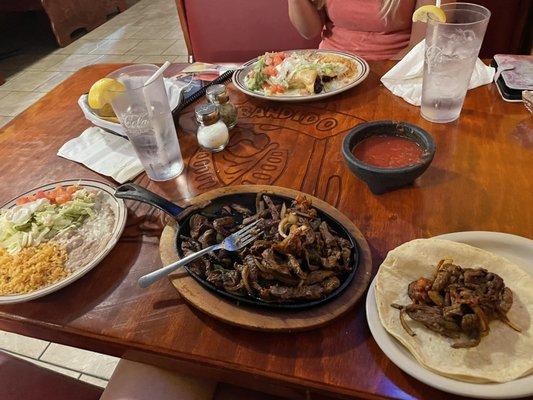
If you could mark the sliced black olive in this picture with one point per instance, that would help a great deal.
(318, 85)
(327, 79)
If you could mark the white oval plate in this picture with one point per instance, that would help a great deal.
(518, 250)
(118, 208)
(174, 94)
(362, 68)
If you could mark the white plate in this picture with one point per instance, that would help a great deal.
(518, 250)
(174, 91)
(362, 68)
(118, 208)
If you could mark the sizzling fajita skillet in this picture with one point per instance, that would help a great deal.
(246, 196)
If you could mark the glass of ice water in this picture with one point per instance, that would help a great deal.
(451, 52)
(144, 113)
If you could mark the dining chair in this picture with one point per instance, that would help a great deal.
(237, 30)
(68, 18)
(22, 380)
(137, 381)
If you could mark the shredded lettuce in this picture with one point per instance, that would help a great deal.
(255, 81)
(33, 223)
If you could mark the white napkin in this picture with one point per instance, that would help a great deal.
(405, 78)
(104, 153)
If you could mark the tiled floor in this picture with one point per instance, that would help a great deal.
(77, 363)
(148, 32)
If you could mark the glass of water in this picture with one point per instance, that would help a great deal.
(144, 113)
(451, 52)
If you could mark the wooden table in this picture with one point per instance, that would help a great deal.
(480, 179)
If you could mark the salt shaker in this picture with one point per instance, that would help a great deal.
(212, 133)
(218, 95)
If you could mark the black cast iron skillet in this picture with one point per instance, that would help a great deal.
(135, 192)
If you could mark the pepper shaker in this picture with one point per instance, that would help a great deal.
(212, 133)
(218, 95)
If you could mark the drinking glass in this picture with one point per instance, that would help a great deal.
(451, 52)
(144, 113)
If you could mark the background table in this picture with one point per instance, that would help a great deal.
(480, 179)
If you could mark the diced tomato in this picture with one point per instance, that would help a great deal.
(278, 89)
(58, 195)
(62, 199)
(270, 71)
(278, 58)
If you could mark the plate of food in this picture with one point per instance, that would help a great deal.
(455, 313)
(303, 257)
(300, 75)
(52, 235)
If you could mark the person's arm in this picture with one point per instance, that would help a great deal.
(418, 29)
(305, 18)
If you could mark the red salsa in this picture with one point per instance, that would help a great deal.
(388, 151)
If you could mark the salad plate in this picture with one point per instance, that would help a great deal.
(300, 75)
(87, 244)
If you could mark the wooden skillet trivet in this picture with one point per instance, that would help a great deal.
(257, 318)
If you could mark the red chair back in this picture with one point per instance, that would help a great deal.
(238, 30)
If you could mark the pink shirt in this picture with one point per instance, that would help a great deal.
(355, 26)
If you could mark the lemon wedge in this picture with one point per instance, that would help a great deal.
(101, 93)
(422, 14)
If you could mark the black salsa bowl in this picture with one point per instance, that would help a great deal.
(381, 180)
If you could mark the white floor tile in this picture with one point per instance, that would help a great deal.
(95, 364)
(117, 58)
(151, 32)
(44, 63)
(16, 102)
(181, 59)
(176, 49)
(80, 46)
(75, 62)
(27, 81)
(94, 381)
(115, 46)
(151, 47)
(54, 81)
(123, 32)
(99, 33)
(64, 371)
(23, 345)
(152, 59)
(4, 120)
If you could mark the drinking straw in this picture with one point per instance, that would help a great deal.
(163, 68)
(437, 3)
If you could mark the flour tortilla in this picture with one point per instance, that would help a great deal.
(503, 355)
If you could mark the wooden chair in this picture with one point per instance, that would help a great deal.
(67, 17)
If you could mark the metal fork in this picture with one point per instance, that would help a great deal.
(234, 242)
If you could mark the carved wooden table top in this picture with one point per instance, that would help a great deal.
(480, 179)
